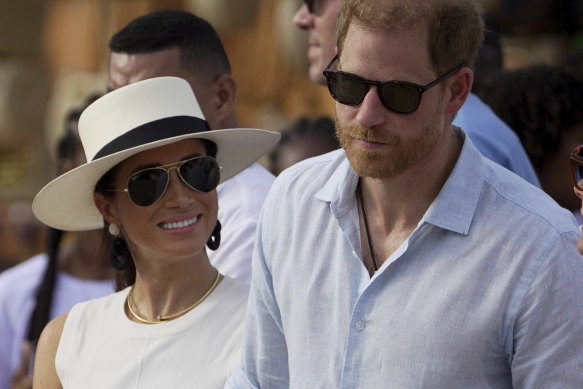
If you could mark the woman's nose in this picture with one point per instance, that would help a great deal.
(177, 193)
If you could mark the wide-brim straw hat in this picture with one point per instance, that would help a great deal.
(141, 116)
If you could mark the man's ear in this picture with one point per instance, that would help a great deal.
(225, 90)
(458, 88)
(105, 207)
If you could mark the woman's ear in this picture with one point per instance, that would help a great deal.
(458, 87)
(106, 208)
(225, 90)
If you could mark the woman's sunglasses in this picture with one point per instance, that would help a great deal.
(577, 167)
(397, 96)
(145, 187)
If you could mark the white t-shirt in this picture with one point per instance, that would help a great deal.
(18, 287)
(240, 200)
(101, 347)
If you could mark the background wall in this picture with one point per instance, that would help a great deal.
(54, 52)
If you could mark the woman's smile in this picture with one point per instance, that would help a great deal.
(179, 224)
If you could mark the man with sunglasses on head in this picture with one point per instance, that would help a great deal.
(407, 259)
(178, 43)
(491, 136)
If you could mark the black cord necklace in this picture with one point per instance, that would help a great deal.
(374, 262)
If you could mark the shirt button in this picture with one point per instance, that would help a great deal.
(359, 325)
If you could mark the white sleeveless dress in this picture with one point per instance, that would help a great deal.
(101, 348)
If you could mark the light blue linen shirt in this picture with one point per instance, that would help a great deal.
(494, 139)
(487, 292)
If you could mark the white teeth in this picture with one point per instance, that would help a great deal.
(180, 224)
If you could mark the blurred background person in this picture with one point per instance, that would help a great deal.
(544, 105)
(304, 138)
(490, 59)
(318, 17)
(74, 268)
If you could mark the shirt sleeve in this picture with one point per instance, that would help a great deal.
(264, 360)
(6, 339)
(548, 331)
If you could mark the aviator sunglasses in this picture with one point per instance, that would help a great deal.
(577, 167)
(397, 96)
(145, 187)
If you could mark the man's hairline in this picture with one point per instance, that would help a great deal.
(184, 65)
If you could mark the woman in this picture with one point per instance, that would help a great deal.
(151, 176)
(73, 269)
(577, 178)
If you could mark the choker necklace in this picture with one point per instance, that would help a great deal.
(374, 262)
(161, 318)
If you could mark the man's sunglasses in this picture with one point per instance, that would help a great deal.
(311, 4)
(397, 96)
(145, 187)
(577, 167)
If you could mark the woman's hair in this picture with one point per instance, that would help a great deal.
(44, 294)
(127, 277)
(68, 146)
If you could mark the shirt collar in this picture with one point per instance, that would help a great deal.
(455, 205)
(453, 208)
(340, 187)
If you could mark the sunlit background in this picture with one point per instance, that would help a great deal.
(53, 53)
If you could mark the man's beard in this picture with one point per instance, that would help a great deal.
(405, 152)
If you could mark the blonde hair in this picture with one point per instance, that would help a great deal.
(455, 27)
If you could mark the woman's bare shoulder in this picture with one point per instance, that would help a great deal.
(45, 372)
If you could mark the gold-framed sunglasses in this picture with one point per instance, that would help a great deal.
(146, 186)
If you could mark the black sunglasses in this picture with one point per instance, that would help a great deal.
(397, 96)
(311, 5)
(577, 167)
(145, 187)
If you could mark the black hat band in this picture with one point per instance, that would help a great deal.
(156, 130)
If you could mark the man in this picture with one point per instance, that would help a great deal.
(178, 43)
(493, 138)
(407, 259)
(319, 18)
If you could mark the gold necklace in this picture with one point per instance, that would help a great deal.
(161, 318)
